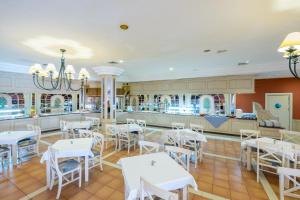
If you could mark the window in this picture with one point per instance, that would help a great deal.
(174, 100)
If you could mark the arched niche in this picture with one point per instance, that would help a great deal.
(57, 103)
(5, 101)
(207, 104)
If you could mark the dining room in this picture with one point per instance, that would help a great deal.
(188, 100)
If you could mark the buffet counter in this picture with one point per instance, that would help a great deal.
(228, 126)
(47, 122)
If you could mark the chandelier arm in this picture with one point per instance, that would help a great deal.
(290, 65)
(295, 66)
(35, 82)
(43, 87)
(70, 86)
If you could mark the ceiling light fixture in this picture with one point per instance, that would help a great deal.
(290, 47)
(124, 27)
(121, 61)
(61, 79)
(171, 69)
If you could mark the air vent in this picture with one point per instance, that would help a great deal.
(222, 51)
(243, 63)
(113, 62)
(206, 50)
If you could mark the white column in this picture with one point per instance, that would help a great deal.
(188, 100)
(108, 93)
(38, 103)
(181, 104)
(74, 102)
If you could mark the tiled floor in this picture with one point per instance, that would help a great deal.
(215, 175)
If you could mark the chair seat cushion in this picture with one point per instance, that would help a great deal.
(27, 142)
(96, 152)
(68, 165)
(3, 149)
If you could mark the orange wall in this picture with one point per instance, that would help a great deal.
(276, 85)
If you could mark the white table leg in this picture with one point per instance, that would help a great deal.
(86, 170)
(48, 175)
(185, 193)
(248, 158)
(14, 153)
(286, 180)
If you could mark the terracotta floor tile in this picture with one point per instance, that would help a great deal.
(221, 191)
(116, 196)
(105, 192)
(239, 196)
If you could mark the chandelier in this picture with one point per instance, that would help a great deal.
(49, 78)
(290, 47)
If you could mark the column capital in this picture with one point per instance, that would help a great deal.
(107, 70)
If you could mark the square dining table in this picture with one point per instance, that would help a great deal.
(13, 137)
(159, 169)
(79, 147)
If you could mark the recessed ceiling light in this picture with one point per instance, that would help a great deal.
(113, 62)
(171, 69)
(222, 51)
(50, 46)
(206, 50)
(121, 61)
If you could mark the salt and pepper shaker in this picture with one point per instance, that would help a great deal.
(153, 162)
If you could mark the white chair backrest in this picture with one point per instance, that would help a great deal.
(180, 155)
(197, 128)
(141, 123)
(83, 133)
(247, 134)
(177, 125)
(110, 129)
(130, 121)
(95, 121)
(188, 140)
(171, 138)
(149, 147)
(30, 127)
(53, 160)
(291, 175)
(98, 141)
(270, 153)
(147, 190)
(290, 136)
(63, 125)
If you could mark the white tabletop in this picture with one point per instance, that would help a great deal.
(12, 137)
(278, 146)
(186, 132)
(78, 124)
(166, 173)
(71, 148)
(130, 127)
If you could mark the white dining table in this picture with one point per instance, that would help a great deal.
(185, 132)
(165, 173)
(79, 147)
(250, 144)
(13, 137)
(72, 125)
(129, 127)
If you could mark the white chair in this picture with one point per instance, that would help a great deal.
(5, 154)
(171, 139)
(111, 135)
(188, 141)
(269, 157)
(290, 136)
(85, 133)
(197, 128)
(246, 134)
(30, 127)
(127, 139)
(97, 149)
(147, 190)
(130, 121)
(180, 155)
(149, 147)
(177, 125)
(66, 171)
(29, 147)
(292, 175)
(142, 124)
(63, 128)
(95, 122)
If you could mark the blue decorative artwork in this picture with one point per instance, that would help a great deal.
(278, 105)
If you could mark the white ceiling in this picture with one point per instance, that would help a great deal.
(161, 34)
